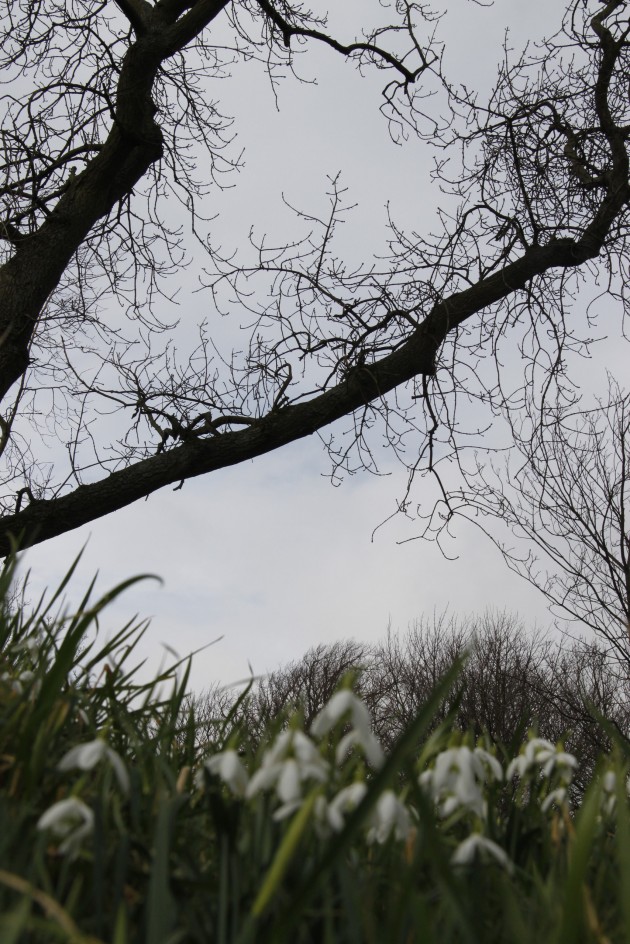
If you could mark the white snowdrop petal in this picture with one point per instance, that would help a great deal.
(558, 797)
(317, 772)
(262, 779)
(345, 745)
(87, 756)
(288, 787)
(489, 760)
(70, 820)
(278, 750)
(286, 810)
(477, 846)
(344, 802)
(516, 768)
(84, 756)
(228, 766)
(390, 816)
(305, 749)
(342, 703)
(373, 751)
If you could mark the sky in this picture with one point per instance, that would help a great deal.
(268, 557)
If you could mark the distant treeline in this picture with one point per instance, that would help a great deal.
(513, 680)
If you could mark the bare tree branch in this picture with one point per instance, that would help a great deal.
(121, 122)
(567, 490)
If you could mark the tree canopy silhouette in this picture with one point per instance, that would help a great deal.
(566, 490)
(109, 115)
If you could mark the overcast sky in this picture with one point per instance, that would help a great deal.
(269, 555)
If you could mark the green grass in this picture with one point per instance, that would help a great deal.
(256, 846)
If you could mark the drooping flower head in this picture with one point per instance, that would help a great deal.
(87, 756)
(70, 820)
(346, 706)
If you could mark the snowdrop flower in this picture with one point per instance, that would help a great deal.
(87, 756)
(291, 760)
(293, 744)
(456, 779)
(228, 766)
(494, 771)
(288, 789)
(390, 816)
(347, 800)
(609, 788)
(27, 679)
(31, 644)
(24, 680)
(536, 752)
(82, 714)
(557, 797)
(14, 684)
(342, 704)
(561, 762)
(70, 820)
(609, 781)
(542, 755)
(339, 705)
(478, 847)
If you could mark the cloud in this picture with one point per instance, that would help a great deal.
(274, 559)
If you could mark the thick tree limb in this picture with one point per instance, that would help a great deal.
(133, 145)
(45, 519)
(138, 12)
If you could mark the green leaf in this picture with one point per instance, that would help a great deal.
(161, 906)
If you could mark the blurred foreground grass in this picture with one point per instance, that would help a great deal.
(117, 826)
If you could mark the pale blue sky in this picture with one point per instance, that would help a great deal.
(268, 554)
